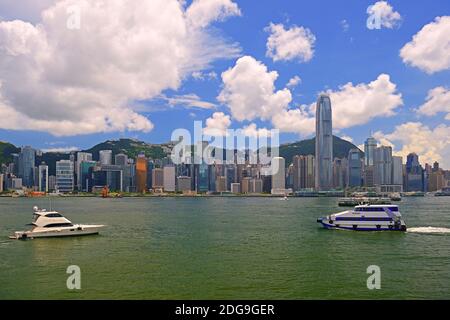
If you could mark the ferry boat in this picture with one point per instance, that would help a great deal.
(366, 218)
(53, 224)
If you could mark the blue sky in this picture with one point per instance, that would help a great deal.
(341, 54)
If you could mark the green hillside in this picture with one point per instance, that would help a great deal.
(6, 149)
(305, 147)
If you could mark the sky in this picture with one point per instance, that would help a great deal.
(74, 73)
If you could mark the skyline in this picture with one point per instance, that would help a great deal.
(379, 79)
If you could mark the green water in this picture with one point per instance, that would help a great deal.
(223, 248)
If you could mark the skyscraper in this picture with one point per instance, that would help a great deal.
(369, 151)
(64, 176)
(414, 173)
(27, 158)
(278, 176)
(169, 178)
(383, 166)
(141, 173)
(43, 178)
(324, 143)
(354, 168)
(81, 156)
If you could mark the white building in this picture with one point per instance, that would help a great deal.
(278, 176)
(169, 178)
(105, 157)
(64, 176)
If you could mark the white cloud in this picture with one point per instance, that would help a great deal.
(295, 43)
(345, 25)
(429, 49)
(293, 82)
(202, 12)
(253, 131)
(438, 100)
(61, 150)
(217, 125)
(69, 82)
(347, 138)
(358, 104)
(189, 101)
(384, 15)
(430, 144)
(249, 91)
(199, 75)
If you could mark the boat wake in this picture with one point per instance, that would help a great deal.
(429, 230)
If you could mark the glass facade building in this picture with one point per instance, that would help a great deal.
(324, 144)
(64, 176)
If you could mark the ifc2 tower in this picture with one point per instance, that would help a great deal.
(324, 144)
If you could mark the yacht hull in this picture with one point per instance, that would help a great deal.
(74, 231)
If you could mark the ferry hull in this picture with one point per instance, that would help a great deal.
(362, 226)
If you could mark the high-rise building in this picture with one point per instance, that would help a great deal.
(324, 144)
(108, 175)
(43, 178)
(81, 156)
(105, 157)
(27, 159)
(383, 166)
(201, 177)
(141, 173)
(235, 187)
(169, 178)
(121, 159)
(340, 169)
(303, 172)
(157, 178)
(278, 176)
(397, 171)
(52, 183)
(84, 178)
(183, 184)
(221, 184)
(414, 173)
(1, 182)
(64, 176)
(369, 151)
(354, 168)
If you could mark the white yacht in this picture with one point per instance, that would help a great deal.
(366, 218)
(53, 224)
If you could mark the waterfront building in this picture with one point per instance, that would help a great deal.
(201, 177)
(150, 166)
(221, 184)
(436, 181)
(43, 178)
(354, 171)
(169, 178)
(51, 183)
(368, 176)
(81, 156)
(246, 185)
(230, 174)
(324, 144)
(110, 176)
(278, 176)
(2, 180)
(16, 183)
(157, 179)
(369, 151)
(340, 167)
(397, 171)
(257, 185)
(414, 173)
(84, 177)
(235, 188)
(105, 157)
(27, 159)
(64, 176)
(184, 184)
(141, 174)
(383, 166)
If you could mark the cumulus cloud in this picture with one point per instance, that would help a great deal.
(61, 150)
(217, 124)
(347, 138)
(252, 130)
(383, 15)
(295, 43)
(293, 82)
(249, 91)
(429, 49)
(438, 100)
(82, 81)
(430, 144)
(202, 12)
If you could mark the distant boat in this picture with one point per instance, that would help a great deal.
(366, 218)
(53, 224)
